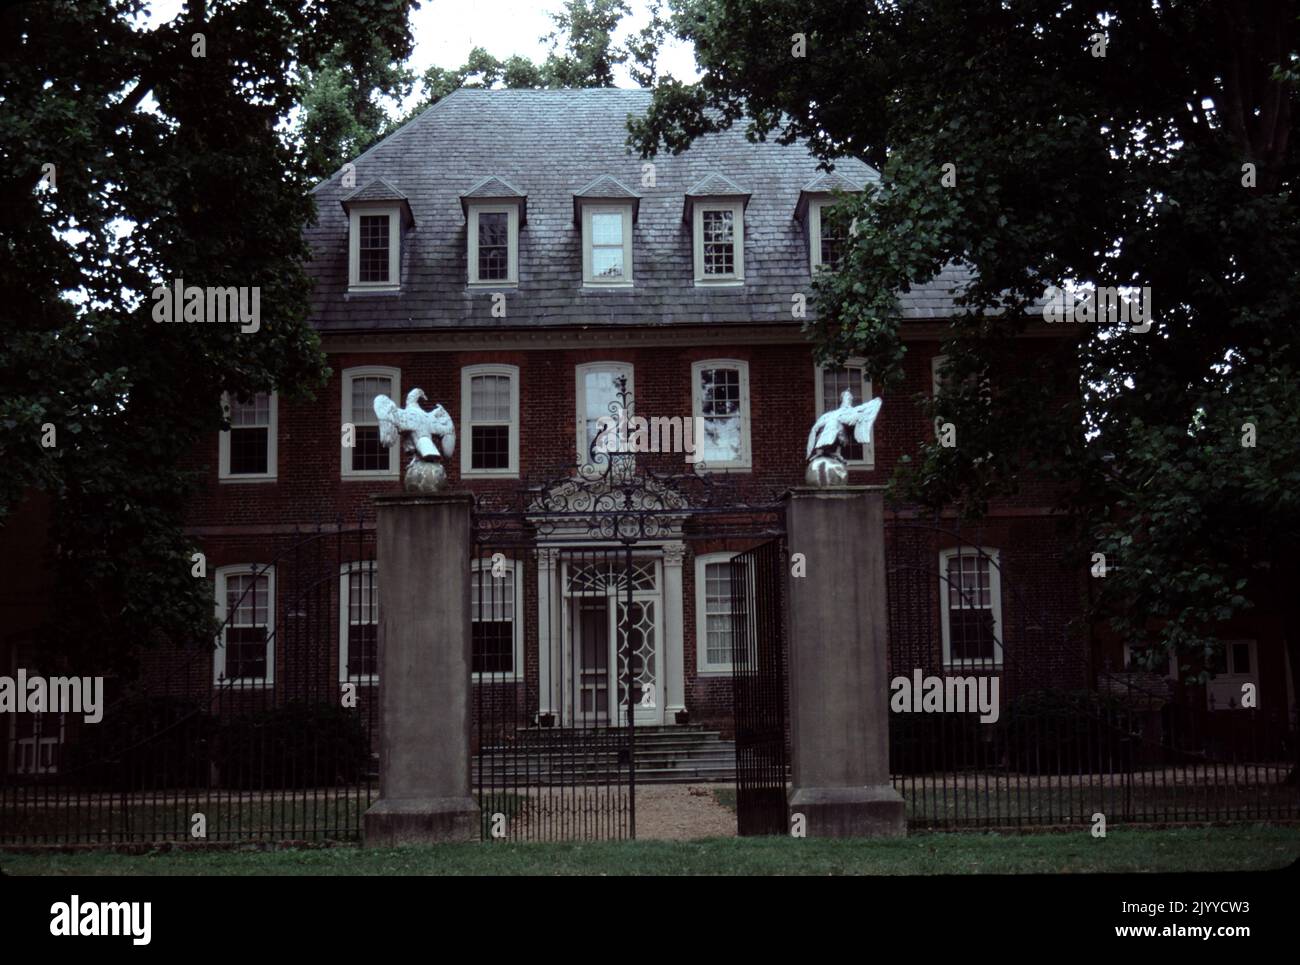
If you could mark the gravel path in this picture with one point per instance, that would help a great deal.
(681, 812)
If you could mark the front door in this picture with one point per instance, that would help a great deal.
(608, 637)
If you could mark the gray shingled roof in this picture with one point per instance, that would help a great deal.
(547, 145)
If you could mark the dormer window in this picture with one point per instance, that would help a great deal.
(493, 245)
(494, 212)
(715, 209)
(377, 214)
(606, 210)
(826, 230)
(827, 235)
(607, 245)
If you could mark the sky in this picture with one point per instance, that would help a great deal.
(445, 31)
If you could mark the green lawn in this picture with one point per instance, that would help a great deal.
(1199, 849)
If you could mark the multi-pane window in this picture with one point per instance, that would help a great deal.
(717, 629)
(971, 600)
(599, 398)
(245, 651)
(359, 656)
(834, 381)
(721, 401)
(608, 243)
(492, 618)
(372, 248)
(493, 245)
(366, 455)
(719, 242)
(490, 412)
(832, 236)
(248, 446)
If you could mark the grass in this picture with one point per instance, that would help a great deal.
(1250, 848)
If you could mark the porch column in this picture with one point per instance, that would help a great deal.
(423, 563)
(549, 665)
(674, 682)
(839, 706)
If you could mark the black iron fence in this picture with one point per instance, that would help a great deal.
(758, 678)
(266, 733)
(1059, 742)
(554, 735)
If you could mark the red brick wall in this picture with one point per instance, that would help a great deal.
(233, 520)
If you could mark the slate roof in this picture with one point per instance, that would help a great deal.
(547, 145)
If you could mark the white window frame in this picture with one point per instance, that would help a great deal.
(345, 416)
(512, 254)
(219, 653)
(815, 232)
(517, 569)
(868, 460)
(345, 618)
(224, 474)
(702, 666)
(355, 213)
(1225, 687)
(580, 397)
(697, 217)
(467, 375)
(697, 409)
(588, 278)
(995, 605)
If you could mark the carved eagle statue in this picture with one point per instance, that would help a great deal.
(430, 435)
(830, 433)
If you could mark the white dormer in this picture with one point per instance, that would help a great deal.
(378, 214)
(605, 211)
(715, 210)
(494, 212)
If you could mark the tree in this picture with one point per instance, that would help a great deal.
(135, 156)
(341, 113)
(583, 54)
(1091, 144)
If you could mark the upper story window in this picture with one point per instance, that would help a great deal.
(607, 245)
(827, 235)
(719, 242)
(493, 245)
(720, 396)
(489, 405)
(245, 652)
(832, 382)
(375, 247)
(597, 395)
(358, 623)
(715, 210)
(494, 211)
(970, 594)
(247, 450)
(363, 453)
(377, 214)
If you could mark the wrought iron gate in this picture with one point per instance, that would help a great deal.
(758, 688)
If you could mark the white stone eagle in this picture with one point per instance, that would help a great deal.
(430, 435)
(830, 436)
